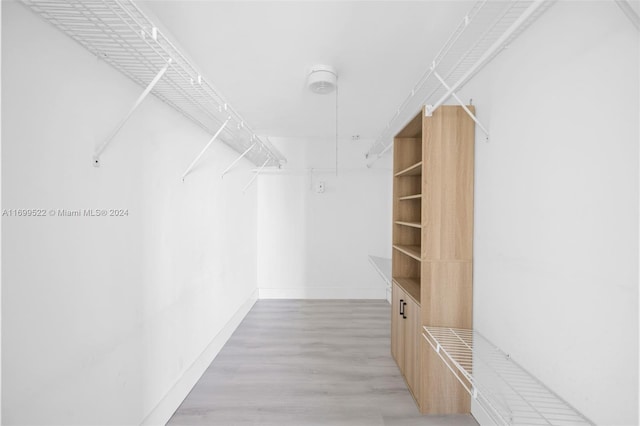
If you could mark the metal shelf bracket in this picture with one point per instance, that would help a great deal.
(114, 132)
(429, 108)
(254, 177)
(379, 156)
(484, 32)
(194, 162)
(630, 12)
(237, 159)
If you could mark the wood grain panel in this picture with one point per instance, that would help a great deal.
(403, 266)
(412, 358)
(404, 211)
(406, 153)
(413, 128)
(447, 181)
(441, 391)
(405, 235)
(442, 272)
(447, 294)
(396, 323)
(411, 287)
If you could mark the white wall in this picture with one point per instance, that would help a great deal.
(316, 245)
(102, 316)
(556, 206)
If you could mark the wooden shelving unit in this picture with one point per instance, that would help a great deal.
(431, 260)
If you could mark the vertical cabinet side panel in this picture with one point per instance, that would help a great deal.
(395, 318)
(447, 268)
(412, 349)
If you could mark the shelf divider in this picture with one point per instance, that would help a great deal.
(411, 285)
(413, 170)
(411, 224)
(411, 251)
(411, 197)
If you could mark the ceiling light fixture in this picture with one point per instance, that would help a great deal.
(322, 79)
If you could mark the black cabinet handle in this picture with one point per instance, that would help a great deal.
(403, 305)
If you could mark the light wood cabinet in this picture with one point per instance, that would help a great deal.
(411, 347)
(433, 160)
(405, 323)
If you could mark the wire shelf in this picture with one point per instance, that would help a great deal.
(382, 265)
(119, 33)
(483, 33)
(505, 391)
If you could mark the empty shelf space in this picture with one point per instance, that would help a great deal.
(411, 251)
(411, 286)
(411, 224)
(411, 197)
(504, 390)
(413, 170)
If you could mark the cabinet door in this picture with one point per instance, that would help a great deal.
(397, 325)
(412, 347)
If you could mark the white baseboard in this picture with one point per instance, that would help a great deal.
(323, 293)
(172, 400)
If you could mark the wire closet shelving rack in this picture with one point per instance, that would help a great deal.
(506, 392)
(119, 33)
(487, 29)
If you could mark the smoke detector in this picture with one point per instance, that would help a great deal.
(322, 79)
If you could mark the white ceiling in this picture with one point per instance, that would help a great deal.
(258, 54)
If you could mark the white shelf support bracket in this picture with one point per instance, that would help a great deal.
(497, 45)
(255, 176)
(194, 162)
(467, 110)
(114, 132)
(630, 12)
(237, 159)
(380, 155)
(428, 110)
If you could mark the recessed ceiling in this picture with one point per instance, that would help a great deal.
(258, 55)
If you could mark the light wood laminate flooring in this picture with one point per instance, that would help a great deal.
(307, 362)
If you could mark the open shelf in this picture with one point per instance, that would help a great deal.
(413, 170)
(411, 286)
(411, 224)
(411, 251)
(411, 197)
(505, 391)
